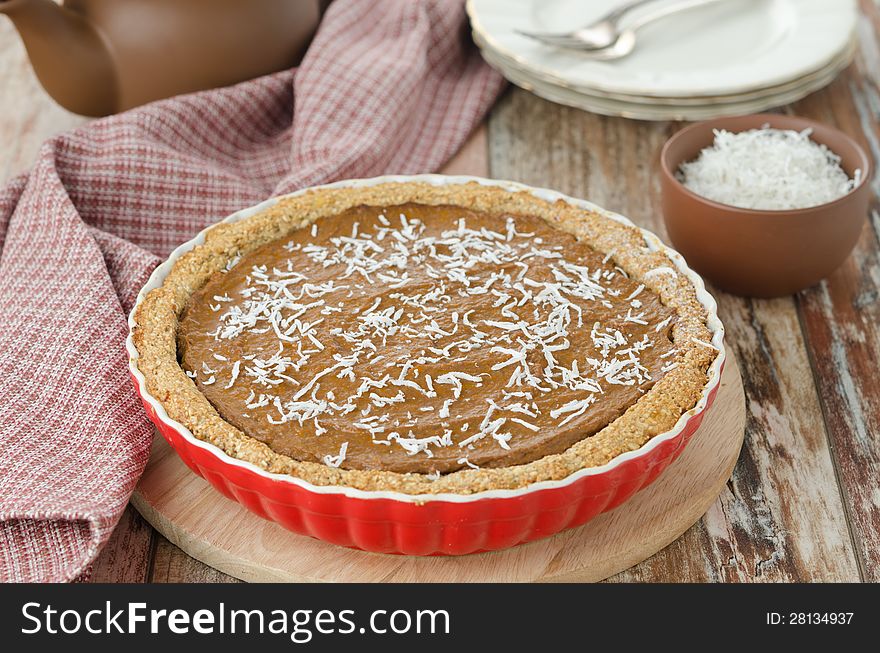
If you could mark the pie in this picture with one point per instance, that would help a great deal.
(424, 339)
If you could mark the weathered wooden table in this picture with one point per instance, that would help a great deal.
(804, 501)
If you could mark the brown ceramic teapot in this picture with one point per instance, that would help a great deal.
(97, 57)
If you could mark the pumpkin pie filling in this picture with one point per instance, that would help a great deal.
(424, 338)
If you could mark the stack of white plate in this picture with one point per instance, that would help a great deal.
(729, 57)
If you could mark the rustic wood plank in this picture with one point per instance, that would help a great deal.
(127, 556)
(473, 157)
(171, 565)
(841, 317)
(782, 517)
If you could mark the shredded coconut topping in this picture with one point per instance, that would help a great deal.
(767, 169)
(377, 350)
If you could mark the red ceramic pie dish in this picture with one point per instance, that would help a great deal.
(431, 524)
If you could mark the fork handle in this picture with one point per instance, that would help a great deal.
(622, 10)
(667, 10)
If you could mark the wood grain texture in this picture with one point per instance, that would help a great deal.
(841, 317)
(472, 158)
(185, 509)
(171, 565)
(128, 555)
(782, 516)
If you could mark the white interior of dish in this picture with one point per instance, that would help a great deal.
(653, 242)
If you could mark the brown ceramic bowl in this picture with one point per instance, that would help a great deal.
(762, 253)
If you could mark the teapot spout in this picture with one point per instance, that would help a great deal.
(68, 55)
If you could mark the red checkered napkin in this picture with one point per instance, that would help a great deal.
(388, 86)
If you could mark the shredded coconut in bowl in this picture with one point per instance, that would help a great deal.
(767, 169)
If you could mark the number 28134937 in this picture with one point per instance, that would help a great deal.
(809, 618)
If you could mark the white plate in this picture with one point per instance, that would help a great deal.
(837, 64)
(725, 48)
(610, 107)
(642, 111)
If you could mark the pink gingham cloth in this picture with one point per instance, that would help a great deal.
(388, 86)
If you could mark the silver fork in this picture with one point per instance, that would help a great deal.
(599, 34)
(618, 42)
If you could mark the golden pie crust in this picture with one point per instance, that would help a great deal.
(657, 411)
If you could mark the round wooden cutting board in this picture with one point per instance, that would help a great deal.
(223, 534)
